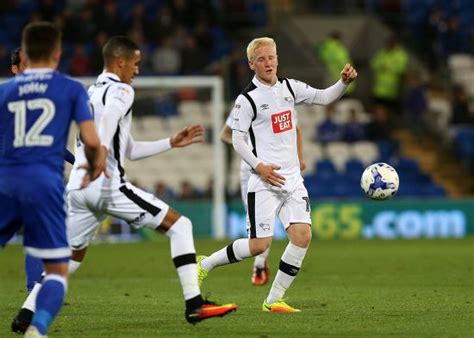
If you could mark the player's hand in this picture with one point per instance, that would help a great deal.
(348, 74)
(187, 136)
(269, 175)
(95, 172)
(302, 164)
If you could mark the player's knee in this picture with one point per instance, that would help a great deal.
(303, 238)
(182, 225)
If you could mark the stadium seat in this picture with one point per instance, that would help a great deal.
(387, 150)
(312, 152)
(365, 151)
(440, 113)
(354, 169)
(338, 153)
(460, 62)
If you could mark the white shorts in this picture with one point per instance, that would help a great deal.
(87, 209)
(265, 202)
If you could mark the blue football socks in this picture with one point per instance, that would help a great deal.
(49, 301)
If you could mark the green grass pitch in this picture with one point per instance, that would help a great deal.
(420, 288)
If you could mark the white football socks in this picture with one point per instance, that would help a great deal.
(183, 254)
(233, 253)
(290, 264)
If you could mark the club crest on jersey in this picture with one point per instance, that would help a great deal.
(282, 122)
(236, 111)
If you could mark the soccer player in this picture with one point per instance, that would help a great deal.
(33, 266)
(112, 98)
(36, 109)
(265, 112)
(260, 271)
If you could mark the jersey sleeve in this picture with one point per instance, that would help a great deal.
(304, 93)
(120, 96)
(82, 109)
(242, 114)
(230, 119)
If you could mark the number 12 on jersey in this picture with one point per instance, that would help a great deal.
(32, 137)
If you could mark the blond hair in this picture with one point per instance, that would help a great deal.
(257, 43)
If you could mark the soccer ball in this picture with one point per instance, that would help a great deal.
(379, 181)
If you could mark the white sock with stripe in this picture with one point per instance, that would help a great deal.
(233, 253)
(290, 264)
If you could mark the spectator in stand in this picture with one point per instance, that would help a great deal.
(388, 66)
(162, 26)
(239, 73)
(108, 18)
(166, 60)
(80, 64)
(452, 39)
(462, 113)
(415, 104)
(137, 19)
(187, 191)
(379, 128)
(335, 55)
(354, 129)
(163, 192)
(328, 130)
(97, 64)
(194, 58)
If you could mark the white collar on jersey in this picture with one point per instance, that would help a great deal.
(260, 84)
(38, 70)
(111, 76)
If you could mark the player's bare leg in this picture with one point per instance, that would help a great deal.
(290, 264)
(179, 229)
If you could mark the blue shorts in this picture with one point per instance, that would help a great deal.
(34, 197)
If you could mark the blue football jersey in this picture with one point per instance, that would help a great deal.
(36, 110)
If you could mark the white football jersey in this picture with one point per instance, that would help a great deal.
(107, 90)
(268, 115)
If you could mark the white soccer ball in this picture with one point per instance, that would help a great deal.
(379, 181)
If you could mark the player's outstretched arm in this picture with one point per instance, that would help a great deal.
(188, 136)
(332, 93)
(185, 137)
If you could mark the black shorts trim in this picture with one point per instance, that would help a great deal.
(139, 201)
(251, 212)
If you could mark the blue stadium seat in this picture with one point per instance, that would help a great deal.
(433, 190)
(354, 170)
(465, 142)
(325, 169)
(387, 150)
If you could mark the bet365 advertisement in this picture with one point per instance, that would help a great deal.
(389, 219)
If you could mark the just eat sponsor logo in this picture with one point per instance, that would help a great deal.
(282, 122)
